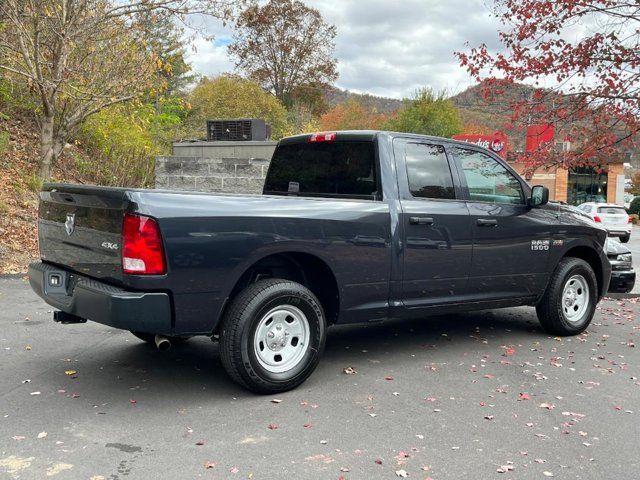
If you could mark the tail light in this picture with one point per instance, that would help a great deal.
(323, 137)
(597, 219)
(630, 220)
(142, 251)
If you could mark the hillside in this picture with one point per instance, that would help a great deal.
(18, 198)
(334, 96)
(474, 110)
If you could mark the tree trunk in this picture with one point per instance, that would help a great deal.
(47, 149)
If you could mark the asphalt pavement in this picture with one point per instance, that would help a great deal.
(478, 396)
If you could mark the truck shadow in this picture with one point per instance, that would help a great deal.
(191, 372)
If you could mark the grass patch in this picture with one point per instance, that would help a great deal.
(34, 183)
(4, 142)
(4, 208)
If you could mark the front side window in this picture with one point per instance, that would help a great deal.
(342, 169)
(428, 171)
(487, 179)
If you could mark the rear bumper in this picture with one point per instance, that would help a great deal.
(622, 281)
(148, 312)
(619, 231)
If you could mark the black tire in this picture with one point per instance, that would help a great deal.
(239, 329)
(552, 310)
(625, 239)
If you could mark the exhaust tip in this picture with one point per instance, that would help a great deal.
(162, 343)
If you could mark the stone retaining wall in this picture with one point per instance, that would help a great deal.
(231, 167)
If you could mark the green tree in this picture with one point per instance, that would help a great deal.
(165, 41)
(427, 113)
(229, 96)
(82, 56)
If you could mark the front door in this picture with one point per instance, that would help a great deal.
(437, 236)
(511, 241)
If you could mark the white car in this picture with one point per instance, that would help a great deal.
(612, 217)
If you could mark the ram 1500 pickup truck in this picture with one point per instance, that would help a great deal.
(352, 227)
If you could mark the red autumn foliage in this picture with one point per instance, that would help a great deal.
(590, 51)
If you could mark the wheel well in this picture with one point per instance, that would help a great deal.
(590, 256)
(302, 268)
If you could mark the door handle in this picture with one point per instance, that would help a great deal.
(483, 222)
(421, 220)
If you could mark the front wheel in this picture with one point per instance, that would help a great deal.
(569, 302)
(272, 336)
(625, 238)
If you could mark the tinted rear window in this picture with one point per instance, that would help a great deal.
(612, 210)
(344, 169)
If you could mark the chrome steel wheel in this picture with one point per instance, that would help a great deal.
(575, 298)
(281, 339)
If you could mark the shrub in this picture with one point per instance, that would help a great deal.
(634, 208)
(122, 141)
(233, 97)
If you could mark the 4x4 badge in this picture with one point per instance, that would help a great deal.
(70, 224)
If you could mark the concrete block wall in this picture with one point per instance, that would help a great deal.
(229, 167)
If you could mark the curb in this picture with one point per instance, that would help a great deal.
(621, 296)
(13, 275)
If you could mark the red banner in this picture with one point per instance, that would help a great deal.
(538, 135)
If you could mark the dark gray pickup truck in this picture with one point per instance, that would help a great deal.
(352, 227)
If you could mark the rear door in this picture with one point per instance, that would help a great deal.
(511, 241)
(435, 221)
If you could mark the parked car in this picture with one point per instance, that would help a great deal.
(612, 217)
(623, 276)
(352, 227)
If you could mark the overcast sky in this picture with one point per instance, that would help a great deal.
(385, 47)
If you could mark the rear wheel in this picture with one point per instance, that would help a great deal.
(569, 302)
(272, 336)
(625, 238)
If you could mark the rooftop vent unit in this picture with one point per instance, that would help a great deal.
(237, 130)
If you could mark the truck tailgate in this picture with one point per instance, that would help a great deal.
(80, 227)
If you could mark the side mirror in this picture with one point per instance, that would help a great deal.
(539, 196)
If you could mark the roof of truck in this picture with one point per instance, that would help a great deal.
(369, 135)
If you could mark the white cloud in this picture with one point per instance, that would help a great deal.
(383, 47)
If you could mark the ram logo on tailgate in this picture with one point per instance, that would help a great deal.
(70, 224)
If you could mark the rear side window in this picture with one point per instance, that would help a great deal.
(341, 169)
(612, 210)
(428, 171)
